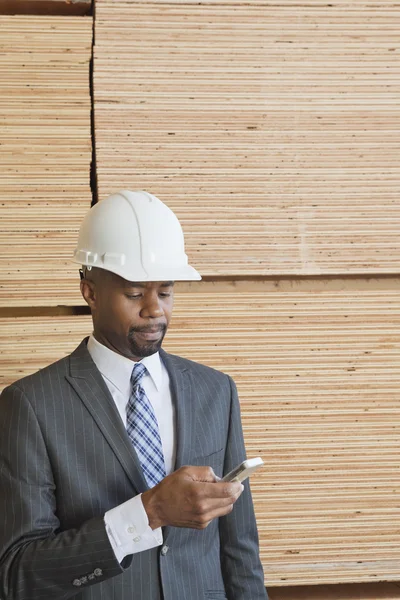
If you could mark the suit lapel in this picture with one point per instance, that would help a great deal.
(182, 396)
(88, 383)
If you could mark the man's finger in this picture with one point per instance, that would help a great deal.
(222, 489)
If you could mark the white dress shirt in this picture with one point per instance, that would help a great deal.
(127, 525)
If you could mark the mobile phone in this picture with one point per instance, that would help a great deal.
(242, 471)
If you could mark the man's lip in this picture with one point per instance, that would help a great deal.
(152, 334)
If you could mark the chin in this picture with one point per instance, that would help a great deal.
(143, 351)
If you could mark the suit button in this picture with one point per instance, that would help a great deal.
(77, 582)
(164, 550)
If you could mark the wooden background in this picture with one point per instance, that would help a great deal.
(45, 154)
(271, 129)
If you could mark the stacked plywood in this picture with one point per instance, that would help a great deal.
(317, 371)
(271, 128)
(45, 152)
(318, 376)
(366, 591)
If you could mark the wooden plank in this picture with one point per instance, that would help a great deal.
(222, 285)
(384, 4)
(46, 7)
(359, 591)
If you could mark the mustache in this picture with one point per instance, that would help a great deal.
(161, 327)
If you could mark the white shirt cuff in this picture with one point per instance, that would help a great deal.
(128, 529)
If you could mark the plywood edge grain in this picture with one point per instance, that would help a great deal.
(46, 7)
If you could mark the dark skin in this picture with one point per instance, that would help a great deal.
(131, 318)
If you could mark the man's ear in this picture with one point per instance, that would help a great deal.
(88, 291)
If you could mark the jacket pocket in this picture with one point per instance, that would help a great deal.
(215, 460)
(211, 455)
(215, 595)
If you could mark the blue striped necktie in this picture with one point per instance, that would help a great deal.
(142, 428)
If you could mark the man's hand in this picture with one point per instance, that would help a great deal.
(190, 497)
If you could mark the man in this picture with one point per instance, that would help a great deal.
(110, 458)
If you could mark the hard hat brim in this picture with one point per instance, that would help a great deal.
(186, 273)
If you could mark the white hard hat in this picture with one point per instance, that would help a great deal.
(136, 236)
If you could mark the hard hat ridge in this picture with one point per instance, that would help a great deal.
(136, 236)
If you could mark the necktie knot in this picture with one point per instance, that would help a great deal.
(138, 372)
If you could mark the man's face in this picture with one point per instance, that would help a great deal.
(131, 318)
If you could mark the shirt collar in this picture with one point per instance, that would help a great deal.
(118, 369)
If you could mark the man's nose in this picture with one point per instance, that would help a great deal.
(152, 306)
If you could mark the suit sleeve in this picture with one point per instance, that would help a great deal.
(241, 566)
(37, 561)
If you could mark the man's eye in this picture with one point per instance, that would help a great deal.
(165, 294)
(130, 296)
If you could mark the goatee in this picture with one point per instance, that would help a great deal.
(143, 349)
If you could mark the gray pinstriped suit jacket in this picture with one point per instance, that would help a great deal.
(65, 459)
